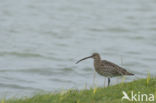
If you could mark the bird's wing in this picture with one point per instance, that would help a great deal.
(115, 67)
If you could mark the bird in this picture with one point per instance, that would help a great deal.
(106, 68)
(125, 96)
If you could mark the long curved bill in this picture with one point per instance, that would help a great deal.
(84, 59)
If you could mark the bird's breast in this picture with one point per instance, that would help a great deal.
(98, 68)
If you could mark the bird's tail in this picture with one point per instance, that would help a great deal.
(129, 73)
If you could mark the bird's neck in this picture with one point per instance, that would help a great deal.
(97, 62)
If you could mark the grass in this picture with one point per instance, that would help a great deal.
(112, 94)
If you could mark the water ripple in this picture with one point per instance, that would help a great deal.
(20, 54)
(4, 85)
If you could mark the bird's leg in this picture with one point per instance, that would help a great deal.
(108, 81)
(104, 82)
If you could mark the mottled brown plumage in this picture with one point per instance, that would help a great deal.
(106, 68)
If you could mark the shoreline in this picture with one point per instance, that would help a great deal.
(111, 94)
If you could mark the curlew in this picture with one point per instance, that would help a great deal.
(106, 68)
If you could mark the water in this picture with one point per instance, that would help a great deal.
(40, 41)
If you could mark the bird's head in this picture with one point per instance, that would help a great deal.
(95, 56)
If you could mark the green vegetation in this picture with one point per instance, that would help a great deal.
(112, 94)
